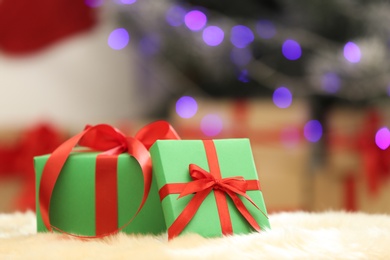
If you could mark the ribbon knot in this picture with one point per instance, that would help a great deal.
(205, 181)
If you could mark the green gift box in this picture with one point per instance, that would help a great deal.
(73, 203)
(200, 208)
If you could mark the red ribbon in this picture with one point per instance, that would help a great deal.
(375, 161)
(203, 183)
(112, 143)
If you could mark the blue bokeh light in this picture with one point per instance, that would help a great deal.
(265, 29)
(313, 131)
(291, 50)
(330, 82)
(243, 76)
(211, 125)
(352, 52)
(241, 36)
(175, 15)
(382, 138)
(241, 57)
(195, 20)
(118, 39)
(213, 35)
(186, 107)
(282, 97)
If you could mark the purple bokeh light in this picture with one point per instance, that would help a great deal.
(186, 107)
(195, 20)
(291, 50)
(241, 36)
(241, 57)
(352, 52)
(382, 138)
(150, 44)
(213, 35)
(118, 39)
(290, 137)
(265, 29)
(388, 90)
(313, 131)
(243, 77)
(282, 97)
(211, 125)
(330, 82)
(175, 15)
(93, 3)
(126, 2)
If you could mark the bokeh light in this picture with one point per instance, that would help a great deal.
(149, 44)
(290, 137)
(241, 36)
(93, 3)
(352, 52)
(388, 90)
(243, 76)
(186, 107)
(241, 57)
(265, 29)
(313, 131)
(126, 2)
(282, 97)
(291, 50)
(213, 35)
(118, 39)
(211, 125)
(175, 15)
(382, 138)
(195, 20)
(330, 82)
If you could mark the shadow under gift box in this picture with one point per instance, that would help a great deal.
(171, 160)
(72, 207)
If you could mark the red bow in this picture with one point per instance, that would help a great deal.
(203, 183)
(112, 142)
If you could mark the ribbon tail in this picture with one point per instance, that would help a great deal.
(141, 154)
(244, 211)
(187, 214)
(50, 175)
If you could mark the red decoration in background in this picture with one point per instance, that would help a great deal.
(16, 161)
(28, 26)
(375, 162)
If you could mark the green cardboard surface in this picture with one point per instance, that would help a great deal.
(72, 206)
(171, 159)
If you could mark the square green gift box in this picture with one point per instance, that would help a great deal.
(209, 187)
(73, 202)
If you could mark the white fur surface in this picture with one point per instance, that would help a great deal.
(299, 235)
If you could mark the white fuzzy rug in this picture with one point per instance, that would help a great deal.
(329, 235)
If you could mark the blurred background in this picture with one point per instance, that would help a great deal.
(307, 81)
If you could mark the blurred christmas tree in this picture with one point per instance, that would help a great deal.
(324, 50)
